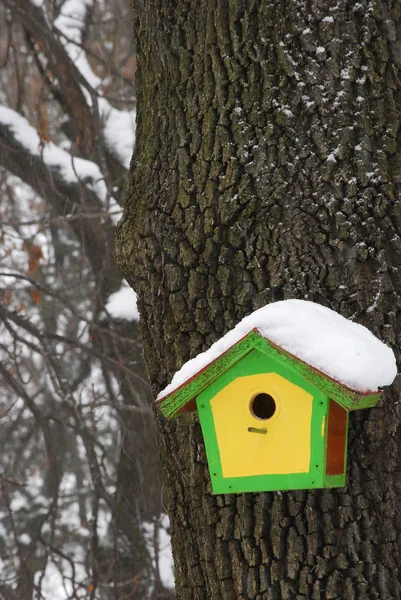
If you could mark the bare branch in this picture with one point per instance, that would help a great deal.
(62, 67)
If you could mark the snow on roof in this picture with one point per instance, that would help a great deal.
(123, 304)
(343, 350)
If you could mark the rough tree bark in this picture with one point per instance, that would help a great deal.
(268, 166)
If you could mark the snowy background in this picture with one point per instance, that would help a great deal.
(81, 506)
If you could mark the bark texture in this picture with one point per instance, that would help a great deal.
(268, 166)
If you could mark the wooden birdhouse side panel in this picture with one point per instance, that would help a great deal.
(337, 433)
(311, 475)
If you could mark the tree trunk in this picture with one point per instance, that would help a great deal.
(267, 166)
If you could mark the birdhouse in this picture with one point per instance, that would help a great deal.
(270, 419)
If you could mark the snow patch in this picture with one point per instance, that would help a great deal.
(119, 131)
(344, 350)
(123, 304)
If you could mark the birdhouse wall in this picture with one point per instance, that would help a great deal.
(289, 454)
(337, 433)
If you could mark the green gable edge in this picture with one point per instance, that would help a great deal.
(349, 399)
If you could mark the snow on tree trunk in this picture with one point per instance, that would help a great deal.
(267, 166)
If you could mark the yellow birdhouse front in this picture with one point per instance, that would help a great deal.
(257, 416)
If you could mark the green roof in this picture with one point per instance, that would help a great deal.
(183, 398)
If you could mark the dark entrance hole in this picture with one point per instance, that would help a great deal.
(263, 406)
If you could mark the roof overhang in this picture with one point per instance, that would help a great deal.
(183, 398)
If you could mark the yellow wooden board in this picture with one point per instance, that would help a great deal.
(284, 448)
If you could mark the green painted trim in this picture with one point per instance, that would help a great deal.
(255, 363)
(320, 406)
(365, 401)
(332, 481)
(171, 404)
(347, 398)
(266, 483)
(282, 483)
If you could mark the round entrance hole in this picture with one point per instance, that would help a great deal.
(263, 406)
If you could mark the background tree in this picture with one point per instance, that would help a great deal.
(267, 166)
(80, 494)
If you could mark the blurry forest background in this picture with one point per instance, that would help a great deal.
(81, 503)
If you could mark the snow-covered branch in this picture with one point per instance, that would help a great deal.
(62, 164)
(57, 60)
(71, 185)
